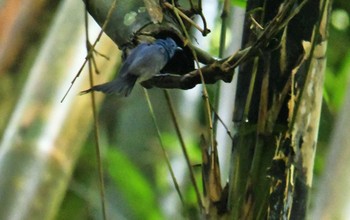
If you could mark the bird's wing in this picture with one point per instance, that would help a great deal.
(131, 58)
(144, 60)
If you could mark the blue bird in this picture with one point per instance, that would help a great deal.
(144, 61)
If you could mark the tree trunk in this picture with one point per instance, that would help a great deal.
(278, 102)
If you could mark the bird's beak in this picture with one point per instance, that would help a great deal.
(178, 49)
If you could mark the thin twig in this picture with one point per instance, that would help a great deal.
(183, 145)
(166, 157)
(216, 115)
(224, 14)
(91, 50)
(200, 13)
(184, 16)
(205, 92)
(96, 129)
(256, 23)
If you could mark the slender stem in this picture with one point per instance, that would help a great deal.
(183, 146)
(184, 16)
(91, 49)
(177, 187)
(217, 117)
(96, 130)
(205, 91)
(224, 14)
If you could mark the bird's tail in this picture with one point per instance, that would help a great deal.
(121, 86)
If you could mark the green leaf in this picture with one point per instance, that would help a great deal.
(137, 190)
(336, 84)
(239, 3)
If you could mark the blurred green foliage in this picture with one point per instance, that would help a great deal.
(337, 76)
(239, 3)
(138, 192)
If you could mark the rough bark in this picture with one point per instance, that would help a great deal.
(277, 113)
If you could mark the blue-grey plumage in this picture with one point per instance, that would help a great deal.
(144, 61)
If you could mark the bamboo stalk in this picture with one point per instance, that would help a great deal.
(43, 137)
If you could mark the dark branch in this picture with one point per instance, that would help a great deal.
(223, 69)
(218, 70)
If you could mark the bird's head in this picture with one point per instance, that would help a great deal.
(169, 45)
